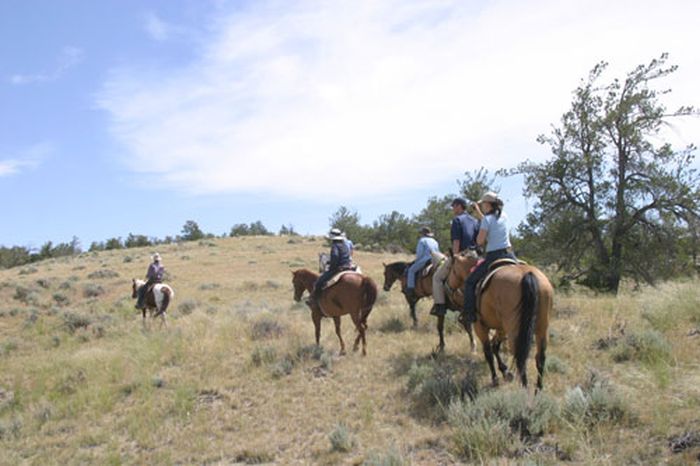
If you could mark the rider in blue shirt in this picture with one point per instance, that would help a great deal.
(427, 245)
(494, 234)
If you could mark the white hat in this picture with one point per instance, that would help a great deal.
(335, 235)
(490, 197)
(156, 257)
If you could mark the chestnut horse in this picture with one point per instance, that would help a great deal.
(424, 287)
(156, 300)
(516, 303)
(353, 294)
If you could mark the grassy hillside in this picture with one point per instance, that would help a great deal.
(234, 378)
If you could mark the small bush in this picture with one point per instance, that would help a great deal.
(26, 295)
(44, 283)
(282, 367)
(391, 458)
(10, 428)
(307, 352)
(7, 347)
(500, 422)
(266, 328)
(73, 322)
(65, 286)
(92, 290)
(209, 286)
(263, 355)
(594, 402)
(105, 273)
(341, 439)
(649, 347)
(254, 457)
(61, 299)
(432, 388)
(554, 365)
(393, 325)
(128, 259)
(186, 307)
(28, 270)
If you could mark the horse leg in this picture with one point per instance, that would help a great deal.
(472, 342)
(441, 333)
(503, 367)
(360, 335)
(412, 305)
(483, 335)
(540, 359)
(316, 317)
(336, 321)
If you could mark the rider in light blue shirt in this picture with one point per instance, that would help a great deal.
(494, 233)
(426, 246)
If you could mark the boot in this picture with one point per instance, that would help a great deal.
(438, 310)
(410, 293)
(467, 317)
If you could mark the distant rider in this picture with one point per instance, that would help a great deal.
(463, 232)
(153, 275)
(340, 260)
(494, 234)
(426, 247)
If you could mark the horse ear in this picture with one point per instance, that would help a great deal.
(450, 253)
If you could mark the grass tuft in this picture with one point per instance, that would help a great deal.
(341, 439)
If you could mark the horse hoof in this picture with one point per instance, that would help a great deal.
(508, 377)
(342, 353)
(494, 383)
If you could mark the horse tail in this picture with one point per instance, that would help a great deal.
(528, 307)
(168, 293)
(369, 296)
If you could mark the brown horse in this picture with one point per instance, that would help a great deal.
(156, 301)
(424, 287)
(516, 304)
(353, 294)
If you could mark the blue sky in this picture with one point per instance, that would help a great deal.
(121, 117)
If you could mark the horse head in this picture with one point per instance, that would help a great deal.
(391, 274)
(462, 265)
(135, 285)
(298, 285)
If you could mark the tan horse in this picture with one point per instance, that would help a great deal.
(516, 304)
(353, 294)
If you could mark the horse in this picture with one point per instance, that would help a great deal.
(156, 300)
(353, 294)
(516, 303)
(424, 287)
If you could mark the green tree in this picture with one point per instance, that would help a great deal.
(136, 241)
(612, 201)
(437, 215)
(191, 231)
(349, 222)
(396, 231)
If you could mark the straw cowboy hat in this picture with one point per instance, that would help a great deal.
(335, 235)
(156, 257)
(490, 197)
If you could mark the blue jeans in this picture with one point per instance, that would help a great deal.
(479, 273)
(412, 271)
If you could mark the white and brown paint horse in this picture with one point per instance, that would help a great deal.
(156, 300)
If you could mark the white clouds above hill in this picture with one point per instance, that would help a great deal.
(353, 99)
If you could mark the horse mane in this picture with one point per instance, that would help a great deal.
(398, 267)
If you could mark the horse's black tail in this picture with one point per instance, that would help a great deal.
(528, 308)
(369, 296)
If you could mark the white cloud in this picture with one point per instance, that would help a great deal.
(156, 27)
(68, 57)
(26, 159)
(355, 99)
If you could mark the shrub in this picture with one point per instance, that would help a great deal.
(391, 458)
(60, 299)
(105, 273)
(341, 439)
(186, 307)
(28, 270)
(594, 402)
(254, 457)
(393, 325)
(432, 388)
(92, 290)
(44, 283)
(649, 347)
(73, 321)
(266, 328)
(500, 421)
(26, 295)
(263, 355)
(282, 367)
(209, 286)
(555, 365)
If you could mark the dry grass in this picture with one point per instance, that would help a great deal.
(234, 377)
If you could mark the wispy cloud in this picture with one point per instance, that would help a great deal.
(25, 159)
(354, 99)
(156, 27)
(68, 58)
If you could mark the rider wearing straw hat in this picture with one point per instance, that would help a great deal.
(493, 233)
(153, 275)
(340, 260)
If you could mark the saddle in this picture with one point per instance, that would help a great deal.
(493, 268)
(336, 278)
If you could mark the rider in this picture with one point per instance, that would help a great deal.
(427, 245)
(494, 234)
(153, 275)
(463, 235)
(340, 260)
